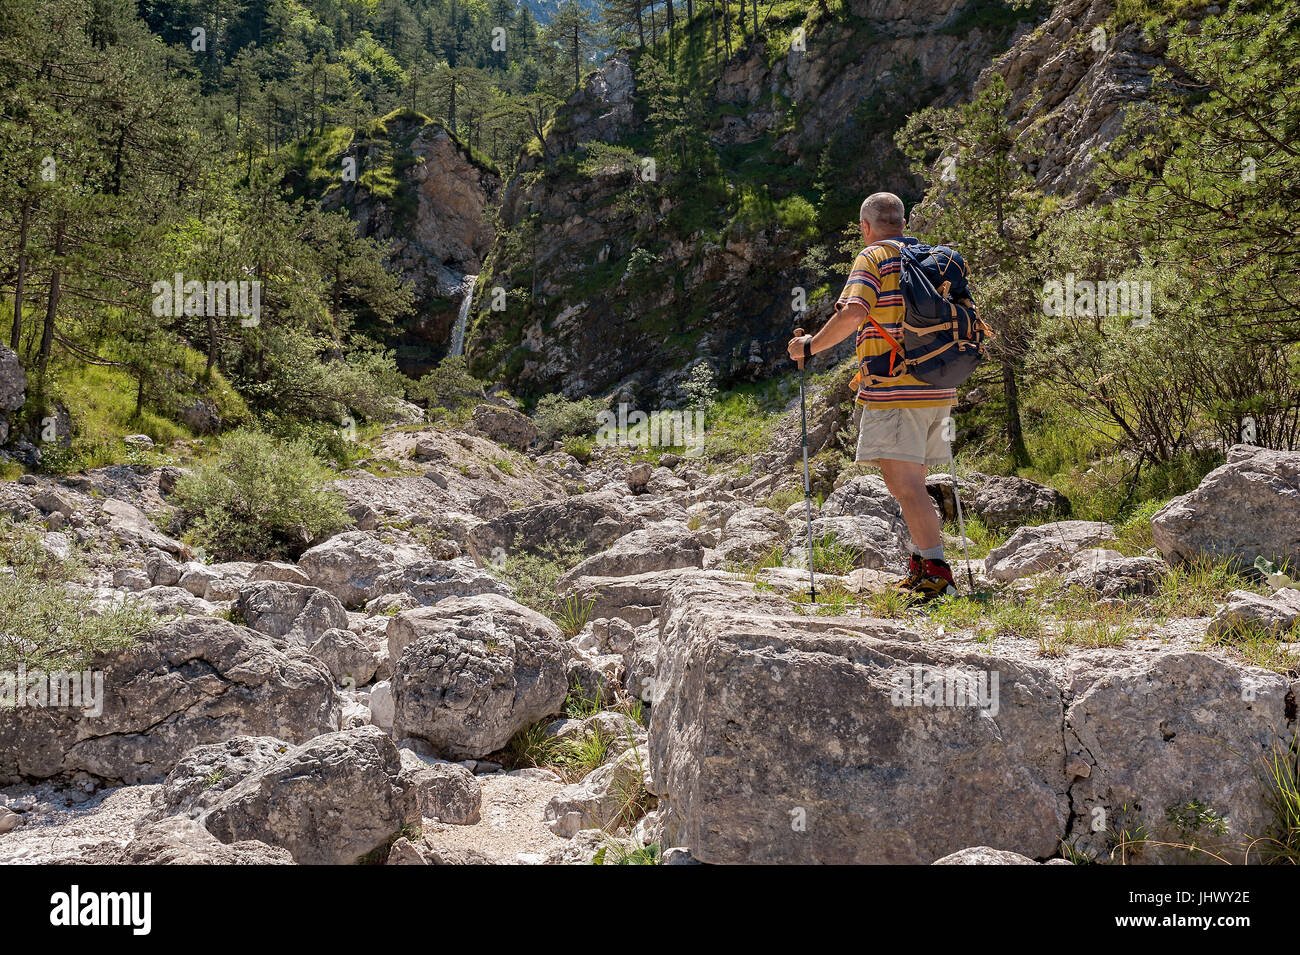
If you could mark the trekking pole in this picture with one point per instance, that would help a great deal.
(807, 484)
(961, 524)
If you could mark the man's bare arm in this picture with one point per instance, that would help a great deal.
(842, 324)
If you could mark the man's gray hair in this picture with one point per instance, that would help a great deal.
(883, 211)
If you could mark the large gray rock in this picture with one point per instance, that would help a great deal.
(347, 657)
(189, 682)
(173, 601)
(1248, 614)
(609, 797)
(1010, 501)
(779, 739)
(1248, 508)
(592, 521)
(278, 570)
(667, 545)
(750, 535)
(331, 801)
(789, 739)
(205, 772)
(352, 565)
(179, 840)
(162, 569)
(291, 611)
(1111, 574)
(444, 791)
(215, 581)
(13, 380)
(429, 581)
(1032, 550)
(877, 543)
(471, 671)
(636, 600)
(1165, 732)
(504, 426)
(863, 496)
(130, 525)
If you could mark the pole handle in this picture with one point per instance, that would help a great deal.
(798, 333)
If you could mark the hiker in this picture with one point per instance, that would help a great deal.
(905, 422)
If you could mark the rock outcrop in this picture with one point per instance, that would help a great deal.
(190, 682)
(469, 672)
(332, 801)
(438, 223)
(1248, 508)
(782, 738)
(796, 739)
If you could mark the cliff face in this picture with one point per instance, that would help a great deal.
(616, 285)
(1072, 78)
(423, 192)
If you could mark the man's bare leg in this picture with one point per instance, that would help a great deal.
(906, 481)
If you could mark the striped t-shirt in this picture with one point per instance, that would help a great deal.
(873, 284)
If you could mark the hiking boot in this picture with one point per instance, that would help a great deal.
(936, 581)
(913, 575)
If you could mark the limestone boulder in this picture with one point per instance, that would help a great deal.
(191, 681)
(1032, 550)
(204, 773)
(1011, 501)
(1161, 736)
(611, 796)
(802, 739)
(469, 672)
(350, 661)
(331, 801)
(351, 566)
(667, 545)
(505, 426)
(179, 840)
(290, 611)
(1247, 614)
(1248, 508)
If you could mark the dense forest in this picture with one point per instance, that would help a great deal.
(153, 143)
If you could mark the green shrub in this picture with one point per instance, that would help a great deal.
(533, 578)
(449, 391)
(579, 448)
(798, 215)
(43, 624)
(701, 389)
(259, 498)
(558, 417)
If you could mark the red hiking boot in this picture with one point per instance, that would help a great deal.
(935, 581)
(913, 575)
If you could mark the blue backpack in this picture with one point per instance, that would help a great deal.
(943, 335)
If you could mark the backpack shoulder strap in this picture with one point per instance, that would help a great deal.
(896, 353)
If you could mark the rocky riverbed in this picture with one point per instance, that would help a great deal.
(387, 698)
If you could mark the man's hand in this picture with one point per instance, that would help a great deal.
(796, 347)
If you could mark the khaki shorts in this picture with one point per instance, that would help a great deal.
(919, 435)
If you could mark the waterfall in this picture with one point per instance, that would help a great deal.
(462, 318)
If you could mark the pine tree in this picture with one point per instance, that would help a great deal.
(982, 199)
